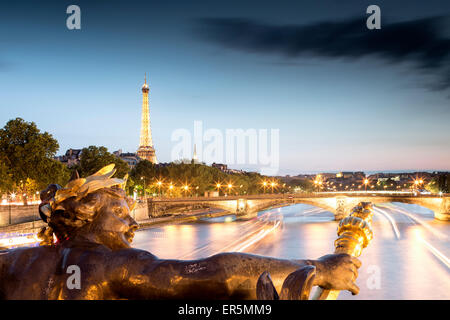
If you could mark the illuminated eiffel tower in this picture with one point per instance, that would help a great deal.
(146, 150)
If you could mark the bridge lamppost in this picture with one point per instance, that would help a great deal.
(366, 182)
(170, 190)
(264, 186)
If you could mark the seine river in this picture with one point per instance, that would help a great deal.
(408, 258)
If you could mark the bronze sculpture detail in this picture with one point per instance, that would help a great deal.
(90, 227)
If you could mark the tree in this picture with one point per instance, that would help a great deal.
(94, 158)
(197, 177)
(28, 155)
(444, 182)
(6, 182)
(433, 186)
(305, 184)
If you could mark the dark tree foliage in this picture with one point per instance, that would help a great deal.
(444, 182)
(94, 158)
(26, 157)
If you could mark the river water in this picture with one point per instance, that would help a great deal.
(407, 259)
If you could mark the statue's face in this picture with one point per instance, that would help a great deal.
(113, 225)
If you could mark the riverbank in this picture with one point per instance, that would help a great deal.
(36, 226)
(181, 218)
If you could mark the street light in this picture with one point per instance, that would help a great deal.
(159, 184)
(264, 186)
(318, 184)
(218, 185)
(273, 184)
(417, 183)
(366, 182)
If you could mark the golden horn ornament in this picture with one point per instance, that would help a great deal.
(354, 234)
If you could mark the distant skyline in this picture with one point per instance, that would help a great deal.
(373, 103)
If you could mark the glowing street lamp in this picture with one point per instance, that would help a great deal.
(264, 186)
(417, 183)
(230, 186)
(366, 182)
(273, 185)
(218, 186)
(159, 184)
(185, 188)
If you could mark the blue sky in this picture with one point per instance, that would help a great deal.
(334, 113)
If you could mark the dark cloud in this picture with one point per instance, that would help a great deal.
(421, 42)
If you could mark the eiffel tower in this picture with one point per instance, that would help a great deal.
(146, 150)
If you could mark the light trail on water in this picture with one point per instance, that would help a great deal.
(423, 223)
(252, 232)
(391, 220)
(438, 254)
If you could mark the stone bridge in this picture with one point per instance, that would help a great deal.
(339, 204)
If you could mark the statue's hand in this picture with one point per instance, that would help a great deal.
(337, 272)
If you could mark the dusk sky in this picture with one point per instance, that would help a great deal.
(343, 97)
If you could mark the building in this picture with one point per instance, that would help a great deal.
(211, 194)
(130, 158)
(146, 150)
(220, 166)
(70, 158)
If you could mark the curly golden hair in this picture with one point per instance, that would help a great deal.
(72, 214)
(68, 209)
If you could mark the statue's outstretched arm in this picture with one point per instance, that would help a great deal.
(222, 276)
